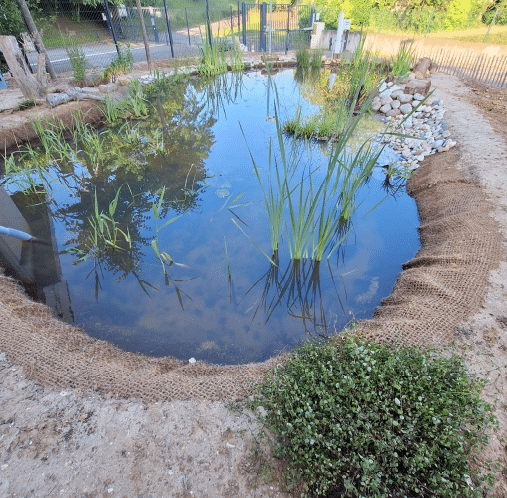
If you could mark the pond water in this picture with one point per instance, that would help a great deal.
(212, 293)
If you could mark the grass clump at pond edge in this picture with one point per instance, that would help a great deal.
(375, 420)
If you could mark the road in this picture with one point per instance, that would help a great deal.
(100, 54)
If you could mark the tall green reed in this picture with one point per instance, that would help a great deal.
(104, 234)
(312, 205)
(217, 57)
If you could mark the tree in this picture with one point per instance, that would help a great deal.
(11, 21)
(457, 14)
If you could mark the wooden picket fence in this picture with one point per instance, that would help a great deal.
(488, 69)
(475, 61)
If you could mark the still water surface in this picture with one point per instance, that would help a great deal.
(223, 301)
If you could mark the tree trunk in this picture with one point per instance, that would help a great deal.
(143, 30)
(30, 87)
(36, 36)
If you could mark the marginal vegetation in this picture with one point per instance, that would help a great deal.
(121, 64)
(217, 55)
(77, 60)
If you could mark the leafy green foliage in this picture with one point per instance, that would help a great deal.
(457, 13)
(11, 21)
(376, 420)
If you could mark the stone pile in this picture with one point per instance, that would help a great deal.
(426, 124)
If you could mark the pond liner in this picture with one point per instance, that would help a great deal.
(442, 285)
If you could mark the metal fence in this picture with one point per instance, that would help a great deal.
(98, 32)
(290, 26)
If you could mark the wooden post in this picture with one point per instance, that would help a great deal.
(36, 36)
(143, 31)
(30, 87)
(41, 70)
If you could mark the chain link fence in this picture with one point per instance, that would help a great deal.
(97, 33)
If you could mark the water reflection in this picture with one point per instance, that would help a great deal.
(297, 289)
(206, 291)
(35, 263)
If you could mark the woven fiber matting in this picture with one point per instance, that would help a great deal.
(444, 283)
(447, 279)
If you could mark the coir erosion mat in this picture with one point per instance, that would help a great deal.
(443, 284)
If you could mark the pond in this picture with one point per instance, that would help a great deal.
(190, 271)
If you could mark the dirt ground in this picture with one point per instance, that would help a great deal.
(81, 444)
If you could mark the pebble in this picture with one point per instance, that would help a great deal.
(405, 108)
(405, 98)
(426, 125)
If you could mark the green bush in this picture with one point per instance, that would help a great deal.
(375, 420)
(458, 14)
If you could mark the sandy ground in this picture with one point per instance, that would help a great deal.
(478, 120)
(75, 444)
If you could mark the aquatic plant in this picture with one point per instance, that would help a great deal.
(163, 257)
(214, 59)
(325, 125)
(112, 109)
(303, 57)
(104, 234)
(311, 211)
(316, 58)
(162, 82)
(156, 208)
(135, 103)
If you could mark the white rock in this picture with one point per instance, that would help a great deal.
(418, 96)
(405, 98)
(405, 108)
(385, 108)
(386, 100)
(376, 106)
(192, 360)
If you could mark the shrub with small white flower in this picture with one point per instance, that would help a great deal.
(363, 419)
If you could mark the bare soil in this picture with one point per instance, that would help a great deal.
(70, 443)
